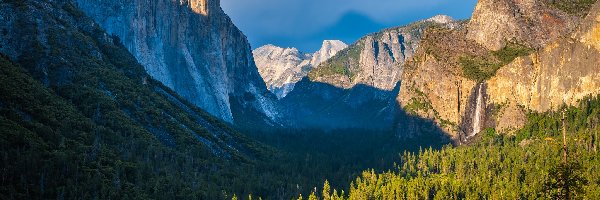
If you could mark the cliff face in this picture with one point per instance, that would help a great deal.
(375, 60)
(433, 85)
(192, 47)
(439, 84)
(530, 22)
(357, 88)
(74, 100)
(563, 72)
(282, 68)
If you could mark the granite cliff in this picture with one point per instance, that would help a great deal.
(511, 58)
(192, 47)
(377, 59)
(78, 111)
(282, 68)
(530, 22)
(563, 72)
(358, 86)
(514, 56)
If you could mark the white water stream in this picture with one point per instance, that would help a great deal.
(477, 117)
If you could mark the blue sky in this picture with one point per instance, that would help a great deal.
(304, 24)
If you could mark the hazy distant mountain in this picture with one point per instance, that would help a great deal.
(282, 68)
(357, 88)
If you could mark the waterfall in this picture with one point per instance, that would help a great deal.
(477, 117)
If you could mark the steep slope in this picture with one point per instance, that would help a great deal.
(526, 166)
(376, 60)
(533, 23)
(81, 119)
(433, 85)
(192, 47)
(358, 86)
(564, 72)
(282, 68)
(451, 73)
(327, 50)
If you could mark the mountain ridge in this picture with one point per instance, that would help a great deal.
(444, 74)
(204, 57)
(81, 118)
(363, 78)
(282, 68)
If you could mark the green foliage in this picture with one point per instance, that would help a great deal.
(511, 51)
(415, 105)
(77, 121)
(584, 117)
(17, 3)
(565, 181)
(480, 68)
(419, 103)
(500, 166)
(575, 7)
(312, 196)
(70, 8)
(342, 63)
(313, 156)
(326, 191)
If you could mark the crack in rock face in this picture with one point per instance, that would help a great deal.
(202, 55)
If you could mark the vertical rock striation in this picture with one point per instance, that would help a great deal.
(563, 72)
(282, 68)
(377, 59)
(562, 68)
(530, 22)
(358, 87)
(192, 47)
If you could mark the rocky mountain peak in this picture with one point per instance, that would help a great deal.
(328, 50)
(281, 68)
(529, 22)
(274, 61)
(375, 60)
(442, 19)
(541, 61)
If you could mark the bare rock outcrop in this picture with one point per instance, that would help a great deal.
(282, 68)
(563, 68)
(377, 59)
(534, 23)
(564, 72)
(192, 47)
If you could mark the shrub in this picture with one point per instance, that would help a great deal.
(481, 68)
(574, 7)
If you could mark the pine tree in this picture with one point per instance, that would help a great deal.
(326, 191)
(312, 196)
(565, 182)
